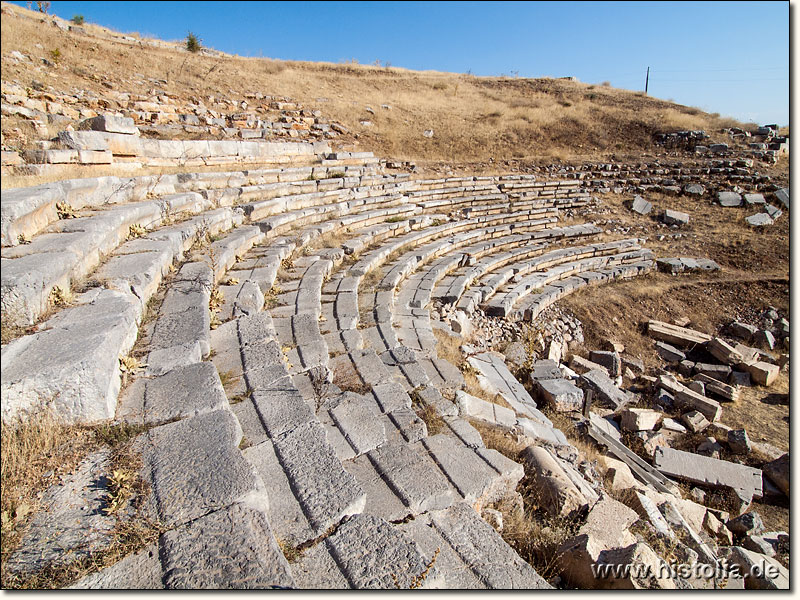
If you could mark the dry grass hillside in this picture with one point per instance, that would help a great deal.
(473, 118)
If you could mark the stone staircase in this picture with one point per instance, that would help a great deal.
(305, 289)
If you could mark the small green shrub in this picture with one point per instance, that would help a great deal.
(193, 43)
(78, 19)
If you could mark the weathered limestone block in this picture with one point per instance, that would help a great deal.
(745, 481)
(470, 406)
(762, 373)
(71, 525)
(232, 548)
(605, 389)
(72, 365)
(639, 419)
(778, 472)
(138, 571)
(559, 495)
(195, 467)
(562, 394)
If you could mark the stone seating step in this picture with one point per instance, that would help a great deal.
(470, 553)
(365, 552)
(69, 250)
(550, 294)
(495, 378)
(81, 375)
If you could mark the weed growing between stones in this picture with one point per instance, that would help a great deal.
(35, 455)
(61, 297)
(347, 379)
(136, 231)
(65, 211)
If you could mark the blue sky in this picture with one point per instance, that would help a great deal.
(725, 57)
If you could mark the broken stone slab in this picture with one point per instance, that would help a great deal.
(72, 524)
(561, 394)
(582, 365)
(738, 441)
(694, 189)
(764, 338)
(723, 351)
(372, 554)
(711, 409)
(641, 206)
(757, 543)
(746, 524)
(743, 331)
(760, 572)
(545, 369)
(541, 432)
(773, 211)
(470, 406)
(729, 199)
(232, 548)
(559, 495)
(483, 551)
(195, 467)
(675, 217)
(761, 373)
(723, 390)
(605, 388)
(73, 362)
(676, 518)
(759, 220)
(110, 124)
(673, 334)
(639, 419)
(669, 353)
(494, 377)
(745, 481)
(695, 421)
(778, 472)
(753, 199)
(608, 521)
(610, 360)
(719, 372)
(782, 196)
(183, 392)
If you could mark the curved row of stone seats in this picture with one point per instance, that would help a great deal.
(659, 175)
(530, 275)
(71, 364)
(396, 479)
(26, 211)
(642, 264)
(70, 249)
(451, 288)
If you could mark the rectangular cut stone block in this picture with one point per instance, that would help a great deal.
(195, 467)
(639, 419)
(724, 352)
(415, 481)
(358, 423)
(324, 489)
(761, 373)
(605, 389)
(476, 479)
(372, 554)
(673, 334)
(183, 392)
(485, 553)
(711, 409)
(705, 470)
(139, 571)
(232, 548)
(470, 406)
(73, 363)
(562, 394)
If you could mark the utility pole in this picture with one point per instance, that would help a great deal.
(647, 80)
